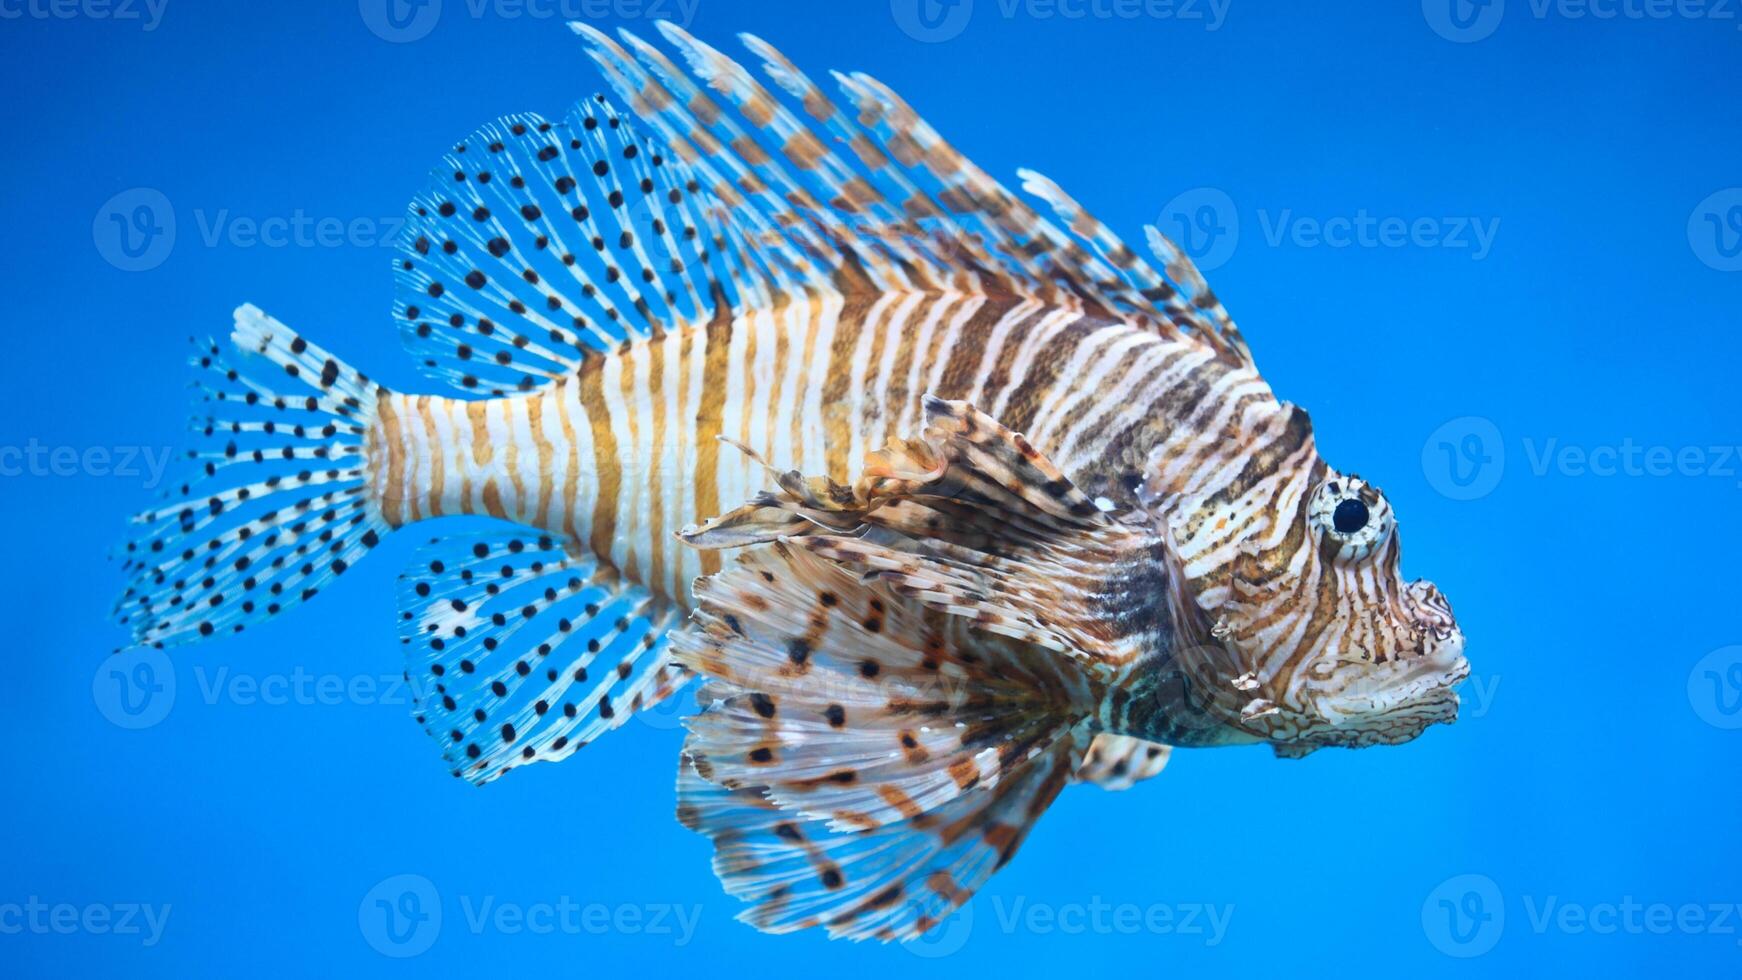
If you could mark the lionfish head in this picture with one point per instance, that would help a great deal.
(1342, 649)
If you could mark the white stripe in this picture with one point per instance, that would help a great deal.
(815, 430)
(673, 465)
(893, 328)
(938, 307)
(559, 456)
(630, 468)
(857, 372)
(995, 345)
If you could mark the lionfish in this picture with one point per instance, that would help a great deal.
(1054, 522)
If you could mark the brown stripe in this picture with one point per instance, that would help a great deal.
(392, 503)
(837, 425)
(605, 472)
(535, 420)
(897, 798)
(455, 410)
(509, 409)
(777, 378)
(962, 360)
(718, 341)
(482, 451)
(493, 499)
(683, 428)
(656, 540)
(626, 386)
(571, 480)
(1037, 387)
(437, 464)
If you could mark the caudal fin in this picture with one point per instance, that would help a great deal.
(277, 504)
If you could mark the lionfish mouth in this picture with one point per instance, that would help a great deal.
(1441, 640)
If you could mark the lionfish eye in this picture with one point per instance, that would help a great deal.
(1350, 516)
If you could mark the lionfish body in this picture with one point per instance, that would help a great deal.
(961, 502)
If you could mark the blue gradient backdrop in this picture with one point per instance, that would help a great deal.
(1591, 788)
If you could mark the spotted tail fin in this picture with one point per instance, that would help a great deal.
(277, 506)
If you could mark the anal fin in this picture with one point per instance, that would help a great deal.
(520, 651)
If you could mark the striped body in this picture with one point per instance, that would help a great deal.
(624, 453)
